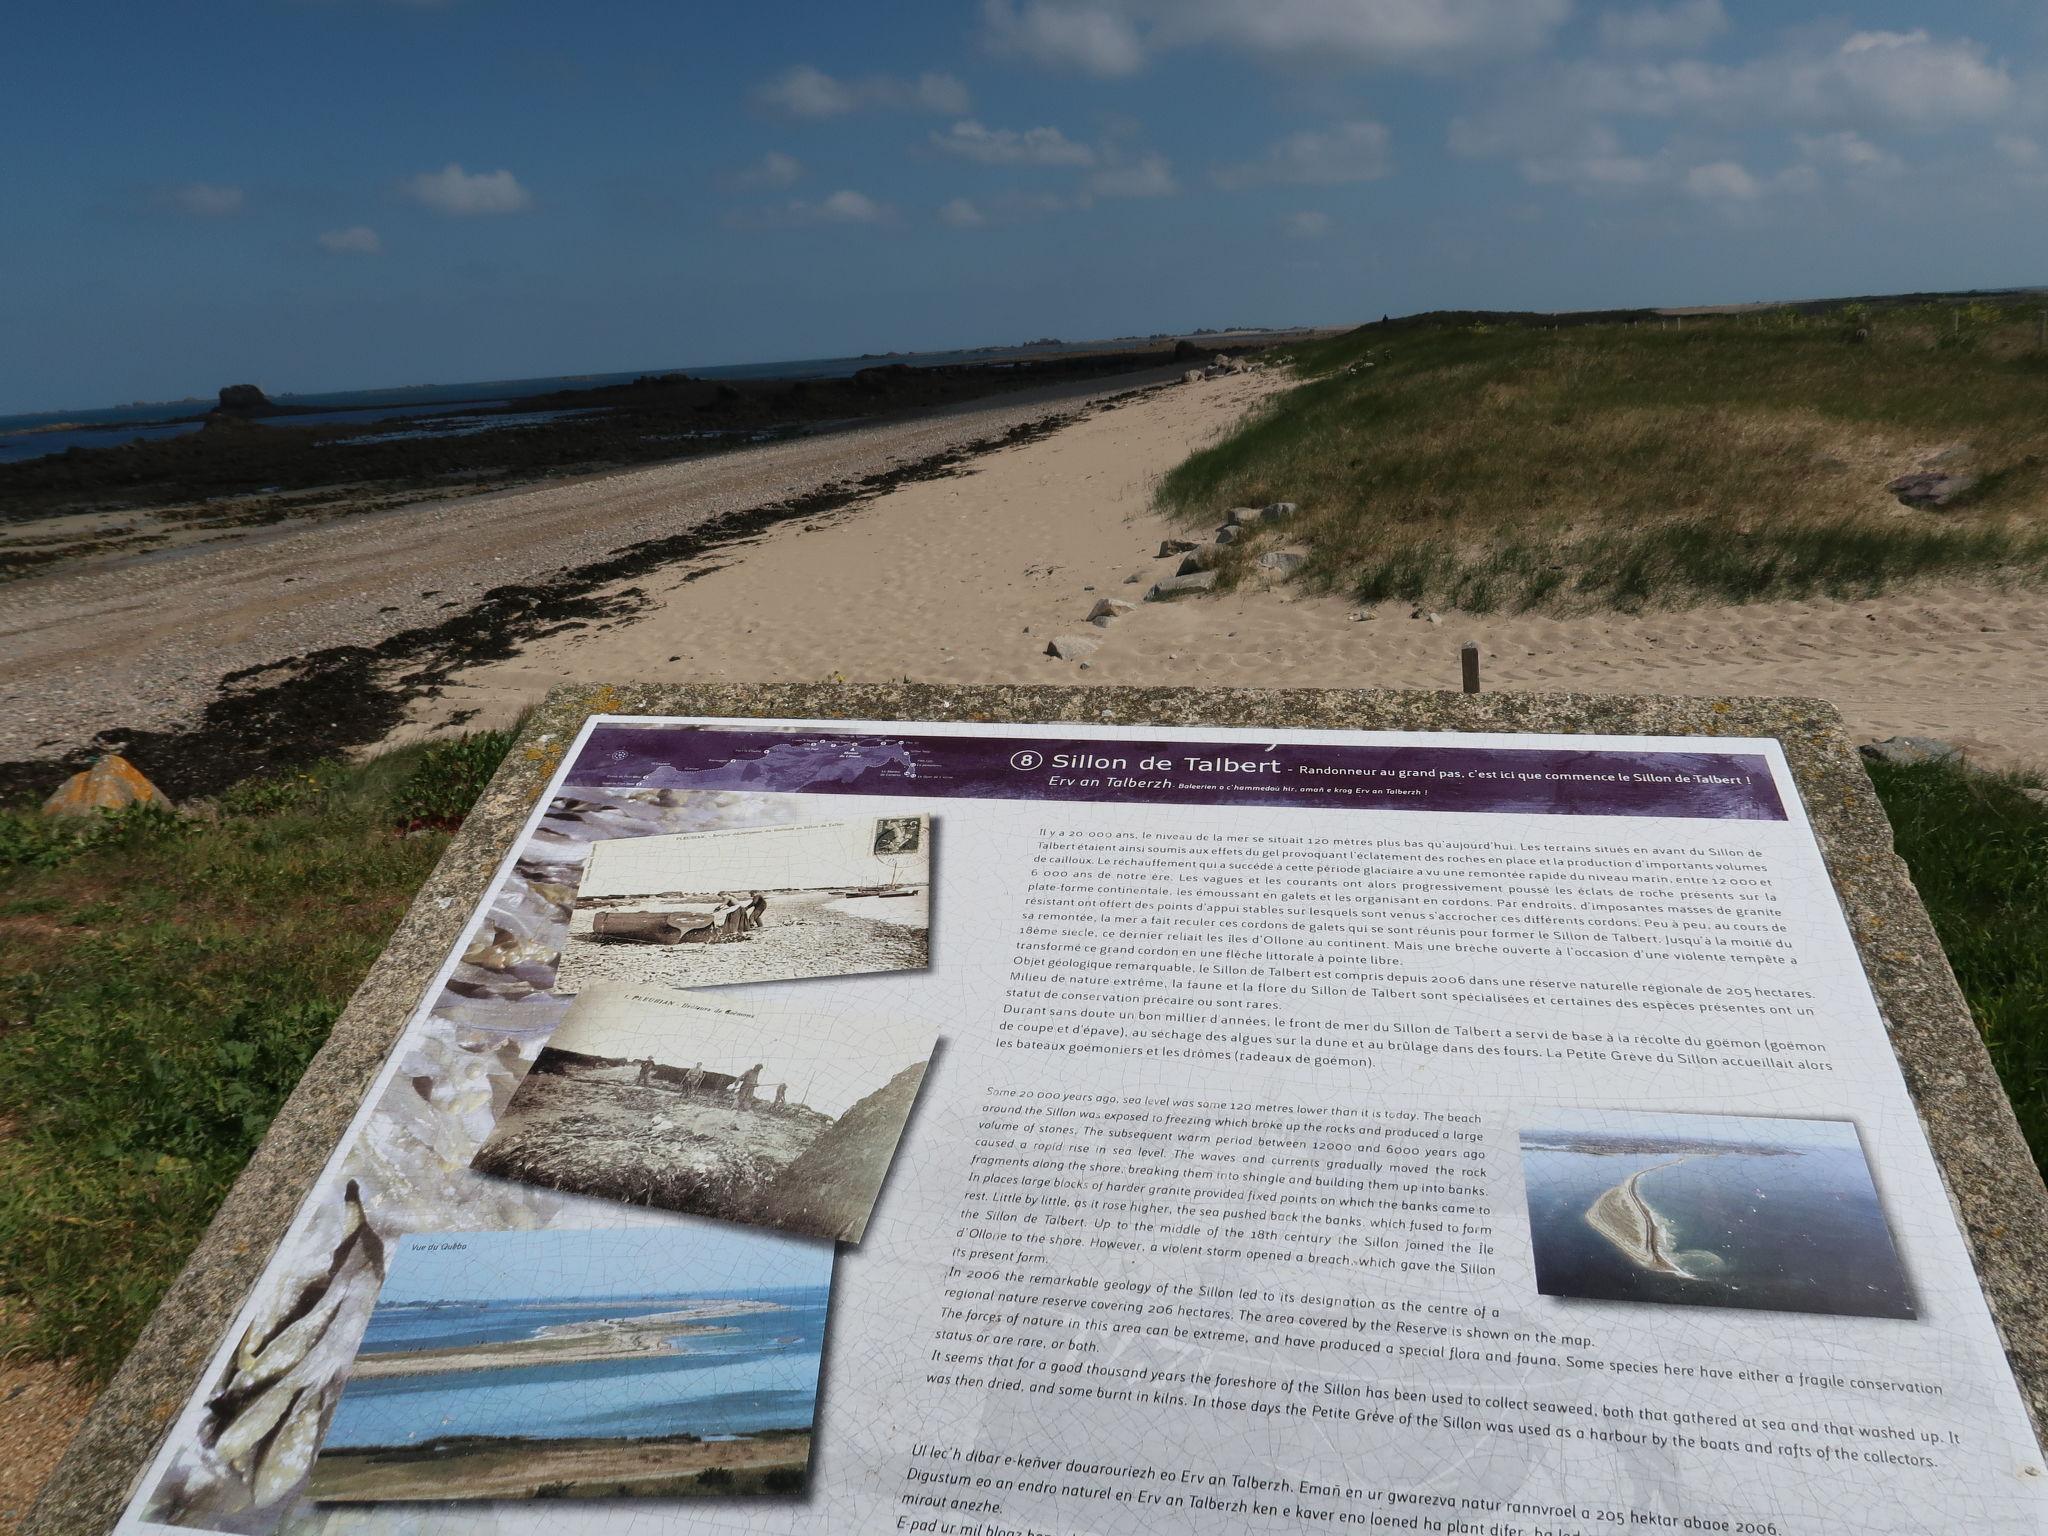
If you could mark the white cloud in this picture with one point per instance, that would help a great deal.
(1912, 76)
(1848, 152)
(1681, 27)
(204, 199)
(849, 207)
(1008, 146)
(1596, 162)
(2018, 150)
(1722, 179)
(1886, 77)
(774, 169)
(1840, 95)
(1146, 176)
(962, 214)
(356, 240)
(1092, 39)
(452, 190)
(1309, 224)
(1345, 152)
(804, 91)
(845, 206)
(1114, 37)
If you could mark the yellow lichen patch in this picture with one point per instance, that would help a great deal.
(111, 784)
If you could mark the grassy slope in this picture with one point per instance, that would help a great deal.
(165, 982)
(1978, 850)
(1736, 458)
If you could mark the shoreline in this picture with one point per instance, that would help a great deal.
(1627, 1220)
(582, 1343)
(356, 689)
(948, 550)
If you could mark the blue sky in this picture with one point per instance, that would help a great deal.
(325, 194)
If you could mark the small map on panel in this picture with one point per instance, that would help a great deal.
(753, 904)
(661, 1361)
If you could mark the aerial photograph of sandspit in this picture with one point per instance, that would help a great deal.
(1710, 1211)
(659, 1361)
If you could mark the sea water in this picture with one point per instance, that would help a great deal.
(763, 1374)
(1794, 1231)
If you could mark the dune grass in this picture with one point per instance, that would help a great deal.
(166, 979)
(1513, 466)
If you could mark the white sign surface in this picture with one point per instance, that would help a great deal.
(1329, 1131)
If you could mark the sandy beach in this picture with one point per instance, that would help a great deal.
(961, 575)
(564, 1344)
(967, 579)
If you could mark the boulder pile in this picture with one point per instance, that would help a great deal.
(1195, 572)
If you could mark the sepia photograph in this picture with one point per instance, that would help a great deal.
(1710, 1211)
(776, 903)
(670, 1362)
(786, 1118)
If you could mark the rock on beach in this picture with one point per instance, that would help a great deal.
(111, 784)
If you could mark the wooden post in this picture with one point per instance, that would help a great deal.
(2041, 329)
(1468, 656)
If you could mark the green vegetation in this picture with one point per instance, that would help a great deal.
(1484, 466)
(166, 979)
(1978, 849)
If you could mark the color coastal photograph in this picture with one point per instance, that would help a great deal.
(671, 1361)
(1710, 1211)
(784, 1116)
(706, 909)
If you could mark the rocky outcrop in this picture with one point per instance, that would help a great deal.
(111, 784)
(1931, 489)
(1180, 586)
(1911, 751)
(243, 400)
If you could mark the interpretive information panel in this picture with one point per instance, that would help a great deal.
(1327, 1131)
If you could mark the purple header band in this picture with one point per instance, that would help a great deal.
(1539, 781)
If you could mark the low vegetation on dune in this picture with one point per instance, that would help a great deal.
(1514, 462)
(166, 978)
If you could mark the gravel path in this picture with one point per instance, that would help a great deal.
(145, 645)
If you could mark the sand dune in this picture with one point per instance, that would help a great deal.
(965, 580)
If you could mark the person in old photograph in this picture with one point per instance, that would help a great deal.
(752, 904)
(593, 1118)
(659, 1362)
(1710, 1211)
